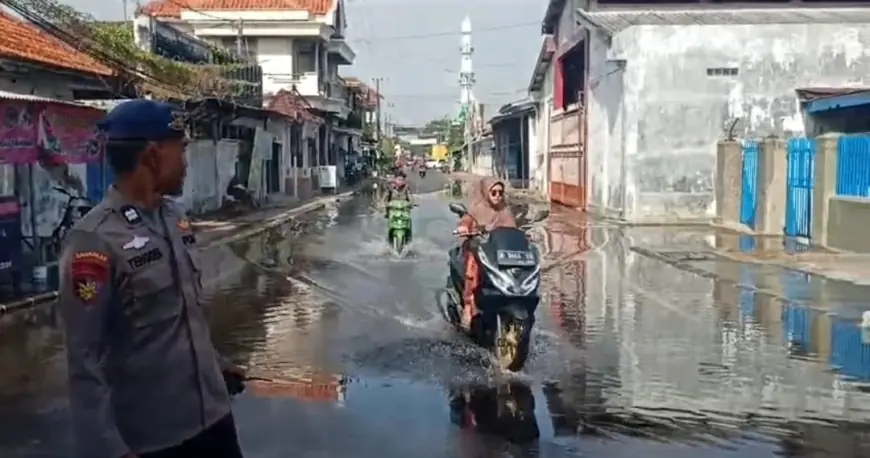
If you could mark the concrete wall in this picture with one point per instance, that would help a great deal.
(210, 166)
(662, 114)
(848, 220)
(482, 162)
(275, 55)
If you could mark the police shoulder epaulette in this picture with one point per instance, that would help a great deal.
(93, 219)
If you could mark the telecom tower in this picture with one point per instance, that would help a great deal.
(466, 73)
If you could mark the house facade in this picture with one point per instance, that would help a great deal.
(655, 91)
(299, 47)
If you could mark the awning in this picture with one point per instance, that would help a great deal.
(612, 22)
(6, 95)
(816, 100)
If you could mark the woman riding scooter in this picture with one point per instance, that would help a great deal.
(488, 211)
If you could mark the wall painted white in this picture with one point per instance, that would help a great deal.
(275, 55)
(662, 114)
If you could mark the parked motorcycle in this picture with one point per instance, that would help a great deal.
(241, 194)
(399, 224)
(351, 174)
(507, 297)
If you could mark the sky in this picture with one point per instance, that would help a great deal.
(413, 45)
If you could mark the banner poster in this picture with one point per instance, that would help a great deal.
(52, 133)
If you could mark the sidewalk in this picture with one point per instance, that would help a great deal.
(791, 254)
(215, 232)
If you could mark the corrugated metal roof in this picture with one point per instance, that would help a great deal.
(6, 95)
(612, 22)
(104, 104)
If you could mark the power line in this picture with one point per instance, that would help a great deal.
(455, 95)
(453, 32)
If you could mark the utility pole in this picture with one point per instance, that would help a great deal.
(378, 115)
(239, 38)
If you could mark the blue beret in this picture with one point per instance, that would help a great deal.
(143, 119)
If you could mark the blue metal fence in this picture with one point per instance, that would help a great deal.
(750, 172)
(853, 166)
(849, 354)
(799, 193)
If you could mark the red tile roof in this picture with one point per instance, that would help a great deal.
(172, 8)
(292, 105)
(24, 41)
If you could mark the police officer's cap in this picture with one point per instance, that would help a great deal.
(145, 120)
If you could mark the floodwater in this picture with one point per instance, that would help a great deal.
(630, 355)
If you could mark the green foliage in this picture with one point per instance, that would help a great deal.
(388, 147)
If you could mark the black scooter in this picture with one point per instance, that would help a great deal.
(507, 297)
(422, 173)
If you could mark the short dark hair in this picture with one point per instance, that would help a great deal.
(123, 155)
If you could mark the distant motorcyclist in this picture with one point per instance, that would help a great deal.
(398, 190)
(488, 211)
(420, 166)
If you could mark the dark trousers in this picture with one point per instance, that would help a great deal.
(218, 441)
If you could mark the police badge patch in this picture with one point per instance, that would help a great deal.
(89, 272)
(130, 214)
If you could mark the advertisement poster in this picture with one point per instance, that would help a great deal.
(56, 133)
(71, 133)
(10, 234)
(17, 133)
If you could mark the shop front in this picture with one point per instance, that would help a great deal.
(51, 160)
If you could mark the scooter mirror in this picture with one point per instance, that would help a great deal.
(458, 209)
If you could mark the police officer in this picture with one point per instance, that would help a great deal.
(144, 377)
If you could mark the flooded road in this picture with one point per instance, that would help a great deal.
(630, 355)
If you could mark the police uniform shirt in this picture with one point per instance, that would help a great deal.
(143, 372)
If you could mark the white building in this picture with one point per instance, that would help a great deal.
(298, 45)
(656, 89)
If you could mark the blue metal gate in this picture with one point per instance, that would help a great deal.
(750, 174)
(99, 177)
(799, 192)
(853, 166)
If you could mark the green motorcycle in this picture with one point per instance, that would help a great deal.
(399, 224)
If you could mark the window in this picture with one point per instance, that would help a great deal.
(305, 59)
(570, 78)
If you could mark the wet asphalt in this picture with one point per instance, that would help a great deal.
(630, 355)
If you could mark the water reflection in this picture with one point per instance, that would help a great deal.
(506, 411)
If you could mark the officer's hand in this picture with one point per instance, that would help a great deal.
(232, 369)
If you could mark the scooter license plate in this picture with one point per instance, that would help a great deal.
(515, 258)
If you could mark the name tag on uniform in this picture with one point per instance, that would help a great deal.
(149, 257)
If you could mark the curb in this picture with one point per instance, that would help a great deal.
(276, 220)
(42, 298)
